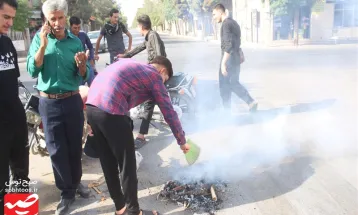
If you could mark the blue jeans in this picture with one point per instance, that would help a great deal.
(90, 78)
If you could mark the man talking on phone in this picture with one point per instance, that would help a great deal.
(57, 58)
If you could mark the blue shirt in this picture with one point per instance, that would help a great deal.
(86, 42)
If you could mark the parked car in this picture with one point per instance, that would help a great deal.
(93, 35)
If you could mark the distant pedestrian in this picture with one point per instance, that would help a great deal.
(230, 60)
(113, 32)
(75, 26)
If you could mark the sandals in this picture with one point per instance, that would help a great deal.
(144, 212)
(139, 143)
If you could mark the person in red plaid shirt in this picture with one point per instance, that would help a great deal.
(118, 88)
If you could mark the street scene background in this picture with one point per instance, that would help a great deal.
(296, 155)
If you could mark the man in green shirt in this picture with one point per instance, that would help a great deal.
(56, 57)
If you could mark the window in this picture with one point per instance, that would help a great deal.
(346, 14)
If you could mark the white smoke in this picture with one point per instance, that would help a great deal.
(263, 140)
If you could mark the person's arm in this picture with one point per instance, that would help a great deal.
(227, 42)
(136, 50)
(125, 30)
(35, 57)
(90, 47)
(102, 33)
(161, 97)
(83, 69)
(154, 42)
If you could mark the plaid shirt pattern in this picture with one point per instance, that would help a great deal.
(126, 84)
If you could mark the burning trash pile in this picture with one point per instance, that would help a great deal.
(200, 197)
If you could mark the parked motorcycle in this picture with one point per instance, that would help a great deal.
(182, 93)
(37, 141)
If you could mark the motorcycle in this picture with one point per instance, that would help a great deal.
(182, 93)
(30, 102)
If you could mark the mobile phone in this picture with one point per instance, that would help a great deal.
(52, 31)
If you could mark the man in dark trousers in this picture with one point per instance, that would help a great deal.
(113, 32)
(230, 60)
(155, 47)
(13, 129)
(57, 58)
(118, 88)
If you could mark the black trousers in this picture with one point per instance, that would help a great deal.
(149, 109)
(63, 125)
(14, 150)
(115, 143)
(230, 83)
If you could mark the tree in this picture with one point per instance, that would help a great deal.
(292, 9)
(23, 13)
(83, 10)
(153, 10)
(169, 10)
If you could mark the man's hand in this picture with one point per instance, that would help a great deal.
(45, 30)
(89, 129)
(81, 60)
(120, 56)
(96, 57)
(223, 70)
(185, 148)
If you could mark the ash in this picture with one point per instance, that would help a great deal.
(199, 197)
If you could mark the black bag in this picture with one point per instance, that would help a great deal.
(90, 148)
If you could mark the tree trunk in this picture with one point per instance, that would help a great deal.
(296, 21)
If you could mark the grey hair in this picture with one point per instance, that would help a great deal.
(54, 5)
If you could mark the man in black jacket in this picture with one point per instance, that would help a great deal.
(155, 47)
(231, 60)
(13, 129)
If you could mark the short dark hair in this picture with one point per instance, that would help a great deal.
(163, 61)
(144, 20)
(12, 3)
(219, 7)
(113, 11)
(74, 20)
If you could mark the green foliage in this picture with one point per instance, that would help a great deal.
(170, 10)
(287, 7)
(23, 13)
(182, 7)
(154, 10)
(83, 10)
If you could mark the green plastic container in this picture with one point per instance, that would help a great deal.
(193, 154)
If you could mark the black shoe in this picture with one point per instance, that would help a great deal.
(83, 191)
(64, 206)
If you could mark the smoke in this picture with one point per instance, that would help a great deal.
(262, 141)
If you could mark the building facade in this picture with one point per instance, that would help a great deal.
(326, 20)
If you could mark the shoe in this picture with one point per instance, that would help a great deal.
(253, 106)
(83, 191)
(64, 206)
(139, 143)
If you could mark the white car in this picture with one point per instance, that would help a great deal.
(93, 35)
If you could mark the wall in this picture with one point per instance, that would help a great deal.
(322, 23)
(347, 33)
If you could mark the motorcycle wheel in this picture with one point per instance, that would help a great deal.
(184, 102)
